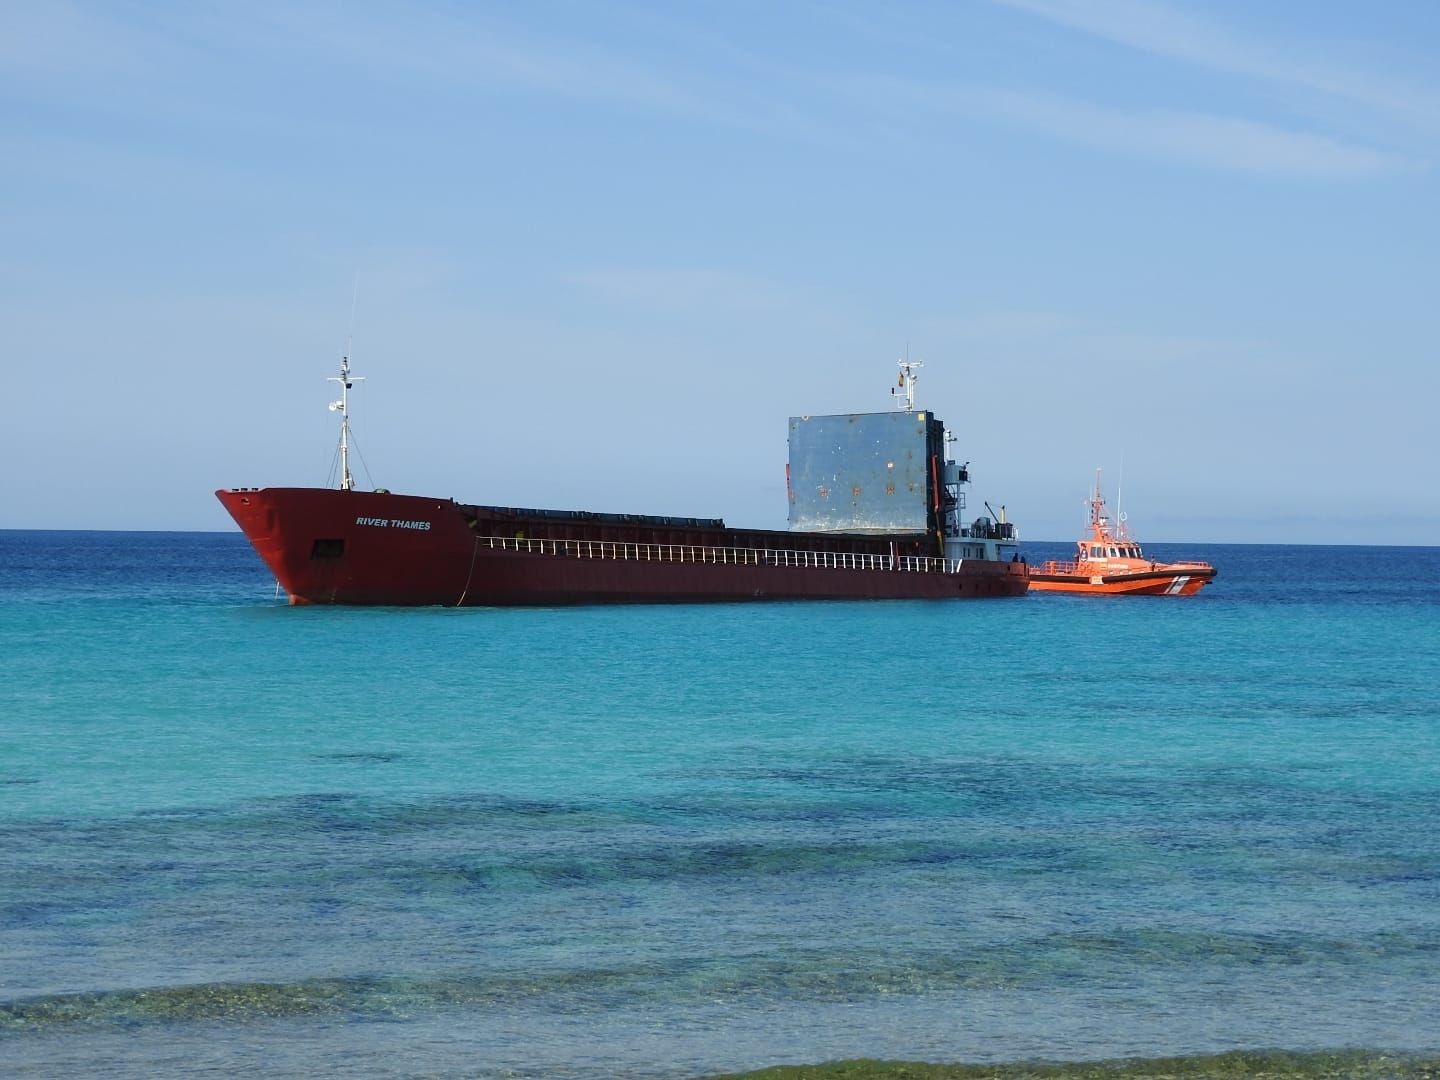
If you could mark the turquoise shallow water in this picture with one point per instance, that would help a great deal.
(671, 841)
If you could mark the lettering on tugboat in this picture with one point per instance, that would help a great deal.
(392, 523)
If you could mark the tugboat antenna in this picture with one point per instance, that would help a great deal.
(346, 381)
(1119, 513)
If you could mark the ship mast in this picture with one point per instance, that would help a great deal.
(346, 381)
(1099, 520)
(907, 382)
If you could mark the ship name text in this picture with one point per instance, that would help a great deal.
(392, 523)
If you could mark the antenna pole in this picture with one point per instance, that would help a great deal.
(346, 381)
(1119, 488)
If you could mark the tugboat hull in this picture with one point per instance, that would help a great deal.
(1166, 580)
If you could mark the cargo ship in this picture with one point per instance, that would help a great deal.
(1110, 561)
(876, 506)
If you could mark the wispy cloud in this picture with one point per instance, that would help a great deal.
(667, 75)
(461, 52)
(1164, 30)
(1054, 342)
(1221, 143)
(1003, 325)
(679, 289)
(1218, 142)
(63, 39)
(472, 49)
(480, 52)
(60, 38)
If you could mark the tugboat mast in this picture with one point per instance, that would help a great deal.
(346, 381)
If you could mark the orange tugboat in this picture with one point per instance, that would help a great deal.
(1109, 561)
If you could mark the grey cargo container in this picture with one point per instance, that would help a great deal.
(865, 472)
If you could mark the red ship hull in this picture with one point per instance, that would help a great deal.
(329, 546)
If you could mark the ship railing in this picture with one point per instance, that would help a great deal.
(722, 556)
(1059, 566)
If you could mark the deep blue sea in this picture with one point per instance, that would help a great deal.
(238, 837)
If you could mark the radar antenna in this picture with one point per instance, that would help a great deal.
(346, 381)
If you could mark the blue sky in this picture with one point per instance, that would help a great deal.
(594, 255)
